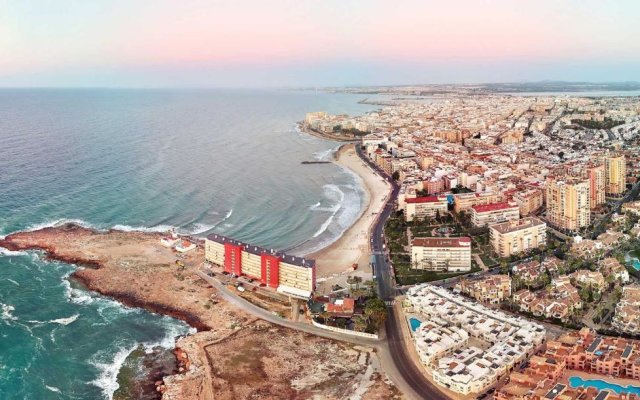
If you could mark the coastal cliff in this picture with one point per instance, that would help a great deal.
(227, 357)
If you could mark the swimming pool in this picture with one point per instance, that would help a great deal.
(635, 262)
(576, 381)
(415, 324)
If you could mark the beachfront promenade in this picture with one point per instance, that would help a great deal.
(392, 347)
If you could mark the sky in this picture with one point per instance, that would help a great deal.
(275, 43)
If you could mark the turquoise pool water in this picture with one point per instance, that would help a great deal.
(576, 381)
(415, 324)
(635, 263)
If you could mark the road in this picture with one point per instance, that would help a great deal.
(241, 303)
(391, 350)
(410, 372)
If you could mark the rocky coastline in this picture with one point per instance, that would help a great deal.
(136, 270)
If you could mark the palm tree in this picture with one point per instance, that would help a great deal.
(357, 280)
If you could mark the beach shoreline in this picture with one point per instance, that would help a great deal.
(334, 262)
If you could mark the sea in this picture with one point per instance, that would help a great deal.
(198, 161)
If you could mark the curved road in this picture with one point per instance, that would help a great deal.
(396, 361)
(409, 371)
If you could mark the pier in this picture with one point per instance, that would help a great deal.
(315, 162)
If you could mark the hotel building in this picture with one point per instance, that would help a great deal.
(514, 237)
(441, 254)
(597, 180)
(421, 207)
(568, 204)
(616, 175)
(289, 275)
(486, 214)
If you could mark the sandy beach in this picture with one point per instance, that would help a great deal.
(334, 262)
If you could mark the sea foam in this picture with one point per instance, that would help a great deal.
(107, 379)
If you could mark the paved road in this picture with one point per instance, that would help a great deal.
(411, 373)
(243, 304)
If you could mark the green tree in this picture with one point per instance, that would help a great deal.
(395, 176)
(376, 310)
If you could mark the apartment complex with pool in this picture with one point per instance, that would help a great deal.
(466, 346)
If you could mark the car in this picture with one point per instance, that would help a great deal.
(225, 272)
(250, 280)
(263, 284)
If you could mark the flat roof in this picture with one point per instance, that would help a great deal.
(512, 226)
(442, 242)
(493, 207)
(627, 351)
(426, 199)
(594, 345)
(257, 250)
(553, 393)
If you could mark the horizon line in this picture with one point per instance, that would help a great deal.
(310, 86)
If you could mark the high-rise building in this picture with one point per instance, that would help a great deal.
(597, 182)
(615, 175)
(529, 201)
(290, 275)
(568, 204)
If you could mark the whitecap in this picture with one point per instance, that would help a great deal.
(168, 341)
(52, 388)
(326, 155)
(199, 228)
(157, 228)
(59, 222)
(324, 226)
(11, 253)
(12, 281)
(107, 379)
(65, 321)
(61, 321)
(7, 312)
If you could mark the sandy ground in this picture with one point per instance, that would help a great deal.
(234, 355)
(334, 263)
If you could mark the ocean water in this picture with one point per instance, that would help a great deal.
(201, 161)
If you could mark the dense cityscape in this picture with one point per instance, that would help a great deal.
(514, 240)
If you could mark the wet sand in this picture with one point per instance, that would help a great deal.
(334, 262)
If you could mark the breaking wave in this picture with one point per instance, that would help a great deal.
(7, 312)
(107, 379)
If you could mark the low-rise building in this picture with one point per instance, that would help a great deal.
(488, 214)
(627, 317)
(441, 254)
(612, 267)
(462, 368)
(513, 237)
(492, 289)
(586, 278)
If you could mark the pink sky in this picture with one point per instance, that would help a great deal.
(118, 40)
